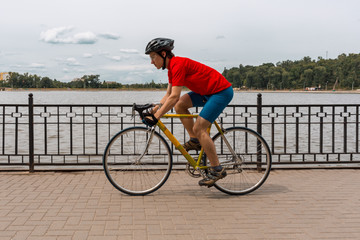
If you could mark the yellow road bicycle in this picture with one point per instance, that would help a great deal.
(138, 160)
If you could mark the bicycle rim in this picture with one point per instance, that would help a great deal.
(127, 171)
(249, 170)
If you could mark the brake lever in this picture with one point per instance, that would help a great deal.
(147, 112)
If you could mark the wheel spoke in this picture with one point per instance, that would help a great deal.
(249, 168)
(135, 167)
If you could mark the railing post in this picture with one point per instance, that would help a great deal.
(259, 114)
(259, 130)
(31, 133)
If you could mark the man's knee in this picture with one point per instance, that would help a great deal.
(201, 126)
(180, 107)
(199, 130)
(183, 104)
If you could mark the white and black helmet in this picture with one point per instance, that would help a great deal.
(159, 44)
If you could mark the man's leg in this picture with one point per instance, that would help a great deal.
(182, 107)
(215, 104)
(197, 130)
(200, 130)
(217, 172)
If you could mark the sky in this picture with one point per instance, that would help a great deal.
(66, 39)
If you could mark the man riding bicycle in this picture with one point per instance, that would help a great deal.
(209, 89)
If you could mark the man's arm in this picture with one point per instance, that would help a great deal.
(163, 100)
(170, 101)
(168, 93)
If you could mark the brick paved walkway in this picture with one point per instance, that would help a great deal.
(306, 204)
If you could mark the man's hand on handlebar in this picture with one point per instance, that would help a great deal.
(150, 120)
(155, 108)
(146, 114)
(145, 109)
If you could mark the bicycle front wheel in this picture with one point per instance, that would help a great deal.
(247, 165)
(137, 161)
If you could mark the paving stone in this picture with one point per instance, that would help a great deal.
(292, 204)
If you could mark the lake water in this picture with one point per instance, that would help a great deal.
(129, 97)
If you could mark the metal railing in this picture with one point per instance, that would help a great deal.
(76, 135)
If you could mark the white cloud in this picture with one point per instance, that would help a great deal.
(115, 58)
(134, 51)
(72, 62)
(112, 36)
(137, 67)
(52, 35)
(57, 36)
(16, 66)
(145, 57)
(66, 78)
(84, 38)
(37, 65)
(8, 54)
(87, 55)
(103, 53)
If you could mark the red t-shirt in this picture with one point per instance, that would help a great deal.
(196, 76)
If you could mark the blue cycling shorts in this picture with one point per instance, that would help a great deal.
(213, 104)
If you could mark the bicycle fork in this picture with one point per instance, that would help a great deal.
(148, 142)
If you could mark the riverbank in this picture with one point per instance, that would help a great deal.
(80, 89)
(357, 91)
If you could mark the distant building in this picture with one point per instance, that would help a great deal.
(4, 76)
(312, 88)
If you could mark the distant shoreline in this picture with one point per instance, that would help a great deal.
(357, 91)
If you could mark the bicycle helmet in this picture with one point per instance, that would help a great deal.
(159, 44)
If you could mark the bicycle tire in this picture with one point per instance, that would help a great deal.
(131, 175)
(252, 168)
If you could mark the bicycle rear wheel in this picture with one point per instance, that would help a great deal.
(249, 169)
(133, 165)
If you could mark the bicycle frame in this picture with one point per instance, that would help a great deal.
(172, 138)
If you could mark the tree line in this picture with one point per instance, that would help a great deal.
(26, 80)
(340, 73)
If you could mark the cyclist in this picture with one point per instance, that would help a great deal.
(209, 89)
